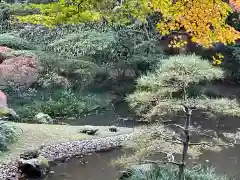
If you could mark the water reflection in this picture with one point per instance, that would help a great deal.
(99, 165)
(98, 168)
(225, 161)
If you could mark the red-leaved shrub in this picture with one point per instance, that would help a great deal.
(20, 70)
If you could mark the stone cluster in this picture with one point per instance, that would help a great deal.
(66, 150)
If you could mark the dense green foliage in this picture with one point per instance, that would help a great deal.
(14, 42)
(173, 82)
(64, 104)
(170, 173)
(87, 11)
(232, 61)
(163, 92)
(58, 103)
(96, 53)
(4, 17)
(8, 135)
(79, 57)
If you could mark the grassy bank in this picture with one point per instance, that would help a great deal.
(35, 135)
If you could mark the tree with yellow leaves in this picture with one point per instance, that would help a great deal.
(203, 20)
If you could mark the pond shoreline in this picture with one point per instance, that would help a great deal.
(68, 149)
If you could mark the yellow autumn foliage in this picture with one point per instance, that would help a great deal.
(203, 20)
(78, 11)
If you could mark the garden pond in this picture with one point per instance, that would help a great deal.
(99, 166)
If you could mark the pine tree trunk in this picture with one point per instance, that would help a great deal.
(185, 144)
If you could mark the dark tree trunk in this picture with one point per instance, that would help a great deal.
(185, 143)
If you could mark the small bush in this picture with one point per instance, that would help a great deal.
(170, 173)
(14, 42)
(53, 80)
(8, 135)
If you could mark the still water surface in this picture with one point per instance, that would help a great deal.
(99, 165)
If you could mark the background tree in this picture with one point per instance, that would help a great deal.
(204, 21)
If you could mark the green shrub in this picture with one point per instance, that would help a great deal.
(14, 42)
(4, 11)
(83, 43)
(129, 45)
(80, 71)
(61, 103)
(90, 54)
(13, 53)
(170, 173)
(8, 135)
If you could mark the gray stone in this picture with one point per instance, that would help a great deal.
(51, 172)
(90, 130)
(33, 168)
(29, 154)
(113, 129)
